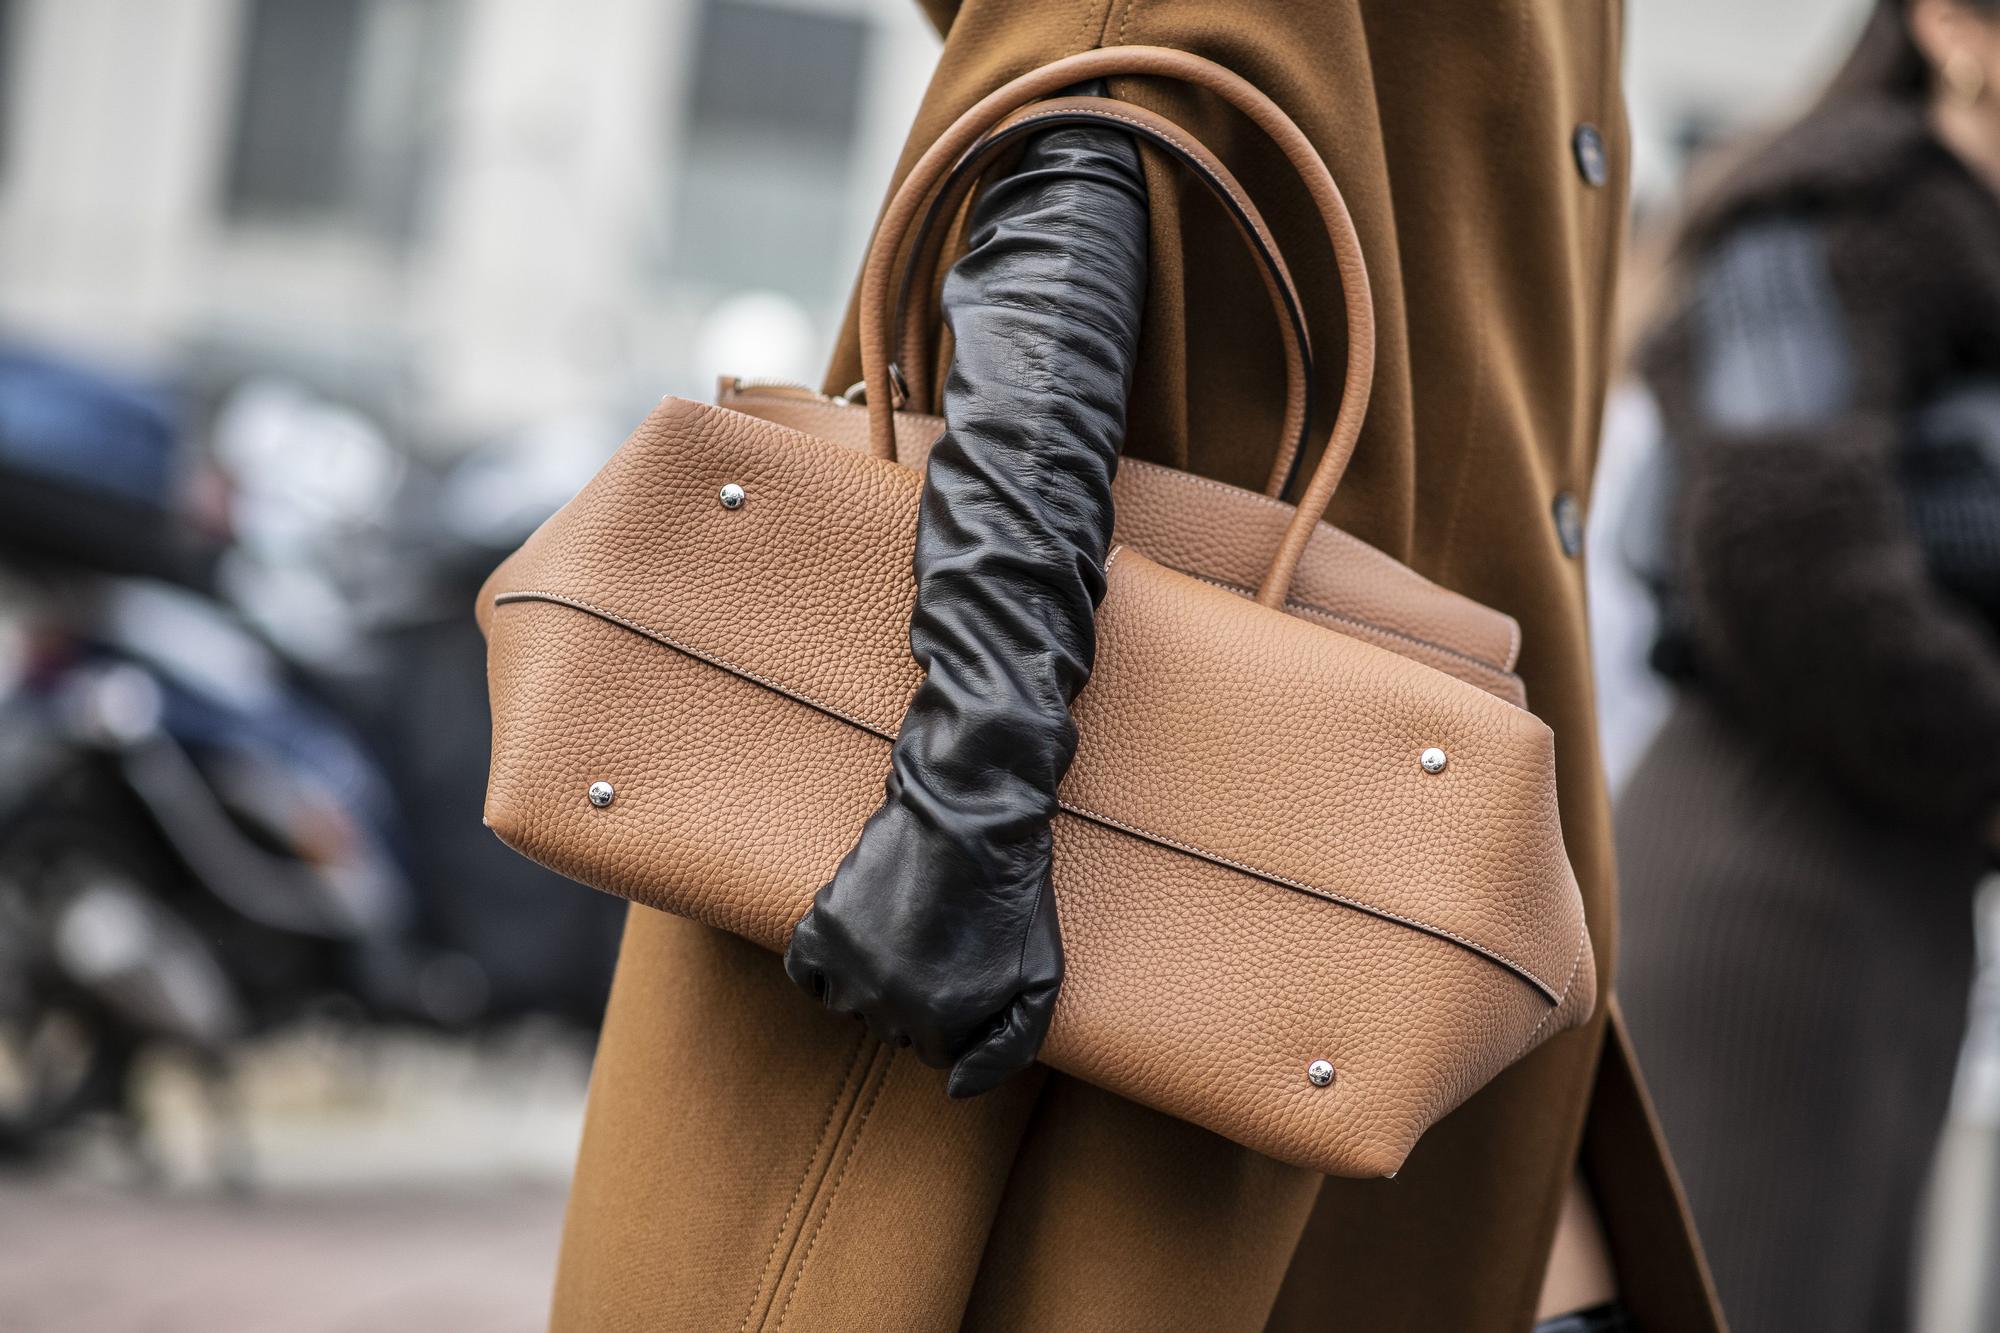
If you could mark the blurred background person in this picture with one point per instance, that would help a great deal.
(1800, 845)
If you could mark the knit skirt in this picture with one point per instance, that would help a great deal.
(1795, 973)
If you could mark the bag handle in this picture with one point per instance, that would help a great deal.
(912, 373)
(879, 272)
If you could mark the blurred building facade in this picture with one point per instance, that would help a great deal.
(468, 213)
(471, 214)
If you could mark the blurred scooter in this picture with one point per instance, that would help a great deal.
(243, 739)
(192, 849)
(187, 851)
(362, 563)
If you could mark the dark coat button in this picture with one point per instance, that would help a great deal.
(1592, 163)
(1569, 522)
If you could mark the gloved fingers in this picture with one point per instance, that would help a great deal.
(1007, 1049)
(1016, 1036)
(806, 961)
(814, 963)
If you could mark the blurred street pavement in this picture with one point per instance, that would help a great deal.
(372, 1183)
(94, 1260)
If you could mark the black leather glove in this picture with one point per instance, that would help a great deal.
(939, 929)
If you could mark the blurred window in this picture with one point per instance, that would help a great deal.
(337, 112)
(7, 16)
(775, 106)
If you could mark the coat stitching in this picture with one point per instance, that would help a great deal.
(1481, 367)
(887, 1058)
(805, 1174)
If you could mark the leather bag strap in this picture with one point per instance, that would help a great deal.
(915, 289)
(905, 207)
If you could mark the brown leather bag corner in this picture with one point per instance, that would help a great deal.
(1305, 774)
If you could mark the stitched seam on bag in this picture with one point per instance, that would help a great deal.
(889, 734)
(833, 1189)
(881, 729)
(1324, 532)
(1477, 664)
(1347, 541)
(1196, 479)
(1575, 966)
(785, 1223)
(1314, 890)
(1297, 605)
(1344, 539)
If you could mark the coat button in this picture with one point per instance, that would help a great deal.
(1592, 163)
(1568, 514)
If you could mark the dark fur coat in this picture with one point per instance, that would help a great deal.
(1831, 392)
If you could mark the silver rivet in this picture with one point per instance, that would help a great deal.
(600, 794)
(1319, 1073)
(731, 496)
(1432, 760)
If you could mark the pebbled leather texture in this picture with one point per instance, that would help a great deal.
(1225, 535)
(938, 928)
(1245, 809)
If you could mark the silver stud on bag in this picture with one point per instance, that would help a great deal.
(600, 794)
(1319, 1073)
(731, 496)
(1432, 760)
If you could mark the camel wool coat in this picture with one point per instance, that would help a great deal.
(751, 1162)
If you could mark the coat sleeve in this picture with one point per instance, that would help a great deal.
(1806, 590)
(940, 13)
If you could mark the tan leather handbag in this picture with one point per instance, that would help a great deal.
(1310, 876)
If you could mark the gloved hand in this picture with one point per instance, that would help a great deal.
(939, 928)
